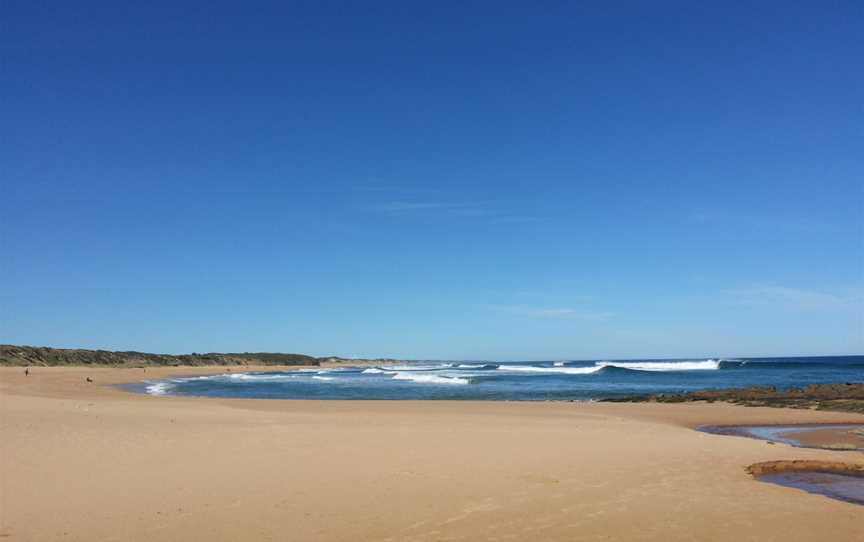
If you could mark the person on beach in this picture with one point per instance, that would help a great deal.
(27, 371)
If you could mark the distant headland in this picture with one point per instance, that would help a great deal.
(12, 355)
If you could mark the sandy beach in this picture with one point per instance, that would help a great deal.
(89, 461)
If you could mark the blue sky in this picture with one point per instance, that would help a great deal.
(434, 180)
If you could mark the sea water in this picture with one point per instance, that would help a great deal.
(531, 381)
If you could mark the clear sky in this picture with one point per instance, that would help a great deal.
(462, 180)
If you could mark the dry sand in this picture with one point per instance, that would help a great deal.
(90, 462)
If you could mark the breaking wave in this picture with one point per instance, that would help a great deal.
(486, 366)
(159, 388)
(430, 378)
(551, 370)
(413, 367)
(375, 370)
(739, 364)
(707, 365)
(252, 377)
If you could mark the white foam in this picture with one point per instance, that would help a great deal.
(422, 378)
(551, 370)
(375, 370)
(316, 377)
(159, 388)
(418, 367)
(706, 365)
(558, 364)
(257, 377)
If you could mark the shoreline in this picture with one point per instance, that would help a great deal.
(119, 378)
(113, 464)
(70, 383)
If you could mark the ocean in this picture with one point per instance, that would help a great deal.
(517, 381)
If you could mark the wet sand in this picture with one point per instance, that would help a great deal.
(848, 437)
(837, 480)
(836, 486)
(852, 438)
(88, 461)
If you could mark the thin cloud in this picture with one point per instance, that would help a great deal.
(395, 190)
(711, 218)
(516, 219)
(565, 313)
(409, 207)
(430, 202)
(487, 213)
(437, 208)
(794, 298)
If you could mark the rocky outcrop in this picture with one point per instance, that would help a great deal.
(847, 397)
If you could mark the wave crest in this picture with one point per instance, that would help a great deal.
(706, 365)
(552, 370)
(430, 378)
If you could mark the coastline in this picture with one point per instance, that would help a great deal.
(85, 461)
